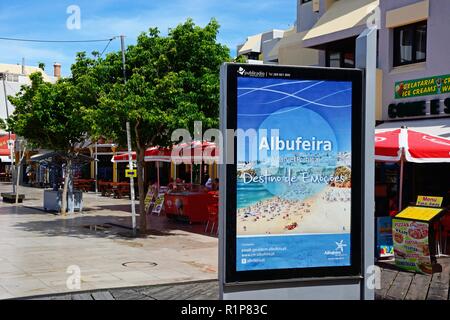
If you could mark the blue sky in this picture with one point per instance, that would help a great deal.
(45, 19)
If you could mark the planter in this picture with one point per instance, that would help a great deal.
(52, 201)
(10, 197)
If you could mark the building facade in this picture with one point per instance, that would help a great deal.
(259, 48)
(413, 74)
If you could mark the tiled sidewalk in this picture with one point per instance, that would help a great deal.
(36, 248)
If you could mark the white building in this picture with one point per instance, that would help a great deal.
(13, 77)
(258, 48)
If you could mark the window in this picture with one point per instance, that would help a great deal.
(12, 77)
(337, 59)
(305, 1)
(410, 44)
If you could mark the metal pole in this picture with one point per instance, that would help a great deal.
(400, 182)
(157, 174)
(96, 168)
(130, 156)
(366, 59)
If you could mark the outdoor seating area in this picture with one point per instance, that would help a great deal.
(117, 190)
(84, 185)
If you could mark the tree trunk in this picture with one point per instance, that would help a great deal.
(17, 182)
(18, 173)
(66, 184)
(140, 177)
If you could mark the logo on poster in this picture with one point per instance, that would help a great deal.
(339, 251)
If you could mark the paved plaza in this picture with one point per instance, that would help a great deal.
(37, 248)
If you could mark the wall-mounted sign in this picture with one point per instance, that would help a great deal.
(419, 108)
(296, 206)
(422, 87)
(426, 201)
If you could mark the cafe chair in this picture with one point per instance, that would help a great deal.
(213, 218)
(445, 232)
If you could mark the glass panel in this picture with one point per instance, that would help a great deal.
(349, 60)
(421, 42)
(334, 60)
(406, 41)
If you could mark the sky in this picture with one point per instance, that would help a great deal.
(104, 19)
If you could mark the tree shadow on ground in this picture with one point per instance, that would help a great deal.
(88, 224)
(84, 226)
(161, 223)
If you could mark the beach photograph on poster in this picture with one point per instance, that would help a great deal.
(294, 178)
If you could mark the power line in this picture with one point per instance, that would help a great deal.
(56, 41)
(107, 45)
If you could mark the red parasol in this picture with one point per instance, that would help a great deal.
(412, 146)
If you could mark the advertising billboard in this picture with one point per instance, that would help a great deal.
(293, 206)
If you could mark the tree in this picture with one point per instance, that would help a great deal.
(173, 81)
(49, 116)
(41, 65)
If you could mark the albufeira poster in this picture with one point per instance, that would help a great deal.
(293, 174)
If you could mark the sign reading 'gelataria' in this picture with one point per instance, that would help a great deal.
(422, 87)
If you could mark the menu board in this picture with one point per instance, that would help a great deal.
(427, 201)
(411, 245)
(159, 202)
(294, 172)
(148, 201)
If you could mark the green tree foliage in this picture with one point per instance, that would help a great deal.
(172, 81)
(49, 116)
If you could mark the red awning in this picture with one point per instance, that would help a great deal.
(4, 150)
(151, 155)
(195, 152)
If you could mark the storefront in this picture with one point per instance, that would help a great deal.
(415, 95)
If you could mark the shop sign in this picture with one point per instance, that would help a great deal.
(422, 87)
(411, 245)
(426, 201)
(418, 109)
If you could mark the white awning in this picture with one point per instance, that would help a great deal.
(437, 126)
(341, 17)
(253, 44)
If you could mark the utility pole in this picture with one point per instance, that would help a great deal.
(130, 156)
(11, 148)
